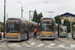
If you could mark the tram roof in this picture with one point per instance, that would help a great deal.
(23, 19)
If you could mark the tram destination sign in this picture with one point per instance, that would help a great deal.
(12, 20)
(46, 20)
(63, 30)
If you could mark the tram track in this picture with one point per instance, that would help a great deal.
(46, 43)
(1, 42)
(26, 46)
(8, 46)
(21, 43)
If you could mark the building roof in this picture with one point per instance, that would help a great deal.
(67, 14)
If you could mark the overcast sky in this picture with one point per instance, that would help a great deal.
(13, 7)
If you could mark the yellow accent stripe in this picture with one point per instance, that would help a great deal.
(13, 34)
(46, 33)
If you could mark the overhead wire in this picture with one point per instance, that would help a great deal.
(23, 4)
(13, 6)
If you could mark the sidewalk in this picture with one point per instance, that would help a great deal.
(67, 41)
(2, 40)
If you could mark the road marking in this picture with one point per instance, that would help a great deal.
(49, 46)
(52, 44)
(4, 45)
(61, 45)
(72, 45)
(67, 47)
(13, 45)
(33, 43)
(40, 45)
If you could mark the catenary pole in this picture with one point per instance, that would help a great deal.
(4, 15)
(21, 11)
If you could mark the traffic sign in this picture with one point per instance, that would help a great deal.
(62, 20)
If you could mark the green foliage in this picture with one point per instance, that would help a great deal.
(57, 19)
(1, 23)
(2, 29)
(37, 17)
(66, 22)
(34, 16)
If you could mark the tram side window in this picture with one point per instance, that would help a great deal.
(23, 25)
(17, 27)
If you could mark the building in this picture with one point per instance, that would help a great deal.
(68, 16)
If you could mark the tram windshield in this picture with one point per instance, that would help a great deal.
(47, 26)
(13, 27)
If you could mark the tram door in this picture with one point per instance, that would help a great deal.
(73, 30)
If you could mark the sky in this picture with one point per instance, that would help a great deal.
(55, 7)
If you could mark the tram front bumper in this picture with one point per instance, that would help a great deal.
(12, 38)
(47, 37)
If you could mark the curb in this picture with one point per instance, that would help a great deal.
(2, 41)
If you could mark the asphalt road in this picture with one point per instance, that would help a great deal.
(34, 44)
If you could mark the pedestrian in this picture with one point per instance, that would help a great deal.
(35, 33)
(26, 31)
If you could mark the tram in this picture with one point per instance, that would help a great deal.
(73, 29)
(15, 29)
(49, 29)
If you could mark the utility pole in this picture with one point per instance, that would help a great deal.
(30, 14)
(4, 15)
(22, 11)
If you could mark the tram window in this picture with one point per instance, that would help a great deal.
(23, 25)
(13, 27)
(47, 27)
(17, 27)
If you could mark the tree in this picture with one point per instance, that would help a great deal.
(34, 16)
(67, 23)
(37, 17)
(57, 19)
(1, 26)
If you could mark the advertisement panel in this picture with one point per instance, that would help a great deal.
(63, 30)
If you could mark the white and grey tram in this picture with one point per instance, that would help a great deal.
(15, 29)
(49, 29)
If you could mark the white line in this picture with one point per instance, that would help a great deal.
(40, 45)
